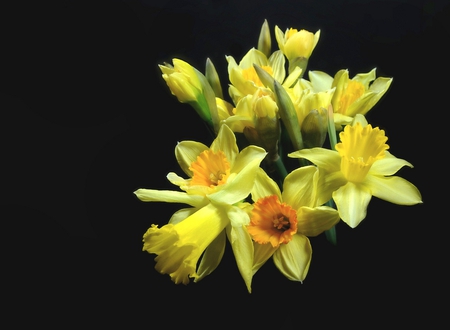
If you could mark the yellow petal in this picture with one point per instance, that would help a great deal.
(169, 196)
(242, 246)
(186, 152)
(314, 221)
(327, 159)
(299, 187)
(211, 257)
(262, 253)
(351, 201)
(226, 142)
(178, 247)
(388, 165)
(293, 259)
(394, 189)
(264, 186)
(244, 170)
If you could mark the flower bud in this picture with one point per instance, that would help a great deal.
(314, 128)
(264, 41)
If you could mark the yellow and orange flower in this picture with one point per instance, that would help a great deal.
(280, 222)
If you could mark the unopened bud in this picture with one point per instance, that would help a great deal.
(314, 128)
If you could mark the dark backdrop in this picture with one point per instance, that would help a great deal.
(87, 119)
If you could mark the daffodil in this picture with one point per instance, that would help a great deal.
(282, 221)
(352, 96)
(220, 178)
(244, 78)
(359, 168)
(297, 46)
(190, 86)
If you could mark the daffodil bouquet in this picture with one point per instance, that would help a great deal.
(290, 158)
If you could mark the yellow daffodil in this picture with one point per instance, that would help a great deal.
(244, 78)
(190, 86)
(361, 167)
(282, 221)
(297, 46)
(307, 100)
(220, 178)
(352, 96)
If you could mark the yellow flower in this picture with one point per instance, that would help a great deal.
(306, 100)
(182, 80)
(190, 86)
(244, 78)
(361, 167)
(294, 43)
(352, 96)
(220, 178)
(282, 221)
(297, 46)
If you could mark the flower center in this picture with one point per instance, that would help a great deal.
(210, 169)
(353, 92)
(250, 74)
(272, 221)
(359, 148)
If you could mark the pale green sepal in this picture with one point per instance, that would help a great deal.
(253, 56)
(352, 201)
(169, 196)
(394, 189)
(320, 80)
(242, 246)
(314, 221)
(211, 257)
(293, 259)
(365, 78)
(263, 252)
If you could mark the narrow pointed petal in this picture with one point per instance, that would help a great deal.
(182, 214)
(277, 61)
(351, 201)
(394, 189)
(264, 186)
(240, 186)
(388, 165)
(211, 257)
(186, 152)
(226, 142)
(262, 253)
(242, 246)
(299, 187)
(293, 259)
(327, 159)
(169, 196)
(314, 221)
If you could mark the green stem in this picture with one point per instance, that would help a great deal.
(331, 233)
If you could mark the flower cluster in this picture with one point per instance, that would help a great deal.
(239, 191)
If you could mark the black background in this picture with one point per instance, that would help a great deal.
(87, 119)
